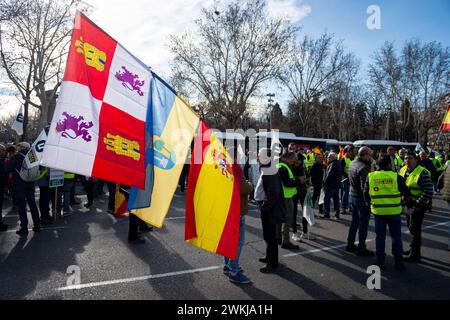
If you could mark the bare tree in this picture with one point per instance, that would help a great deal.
(33, 47)
(235, 52)
(410, 85)
(319, 66)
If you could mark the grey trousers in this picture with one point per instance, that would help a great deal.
(283, 229)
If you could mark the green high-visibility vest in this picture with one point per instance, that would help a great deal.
(289, 192)
(385, 198)
(438, 164)
(398, 162)
(309, 162)
(68, 175)
(412, 182)
(347, 164)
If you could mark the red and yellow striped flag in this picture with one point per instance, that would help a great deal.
(445, 126)
(121, 204)
(341, 153)
(213, 197)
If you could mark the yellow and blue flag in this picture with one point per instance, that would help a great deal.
(174, 124)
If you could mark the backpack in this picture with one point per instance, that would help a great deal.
(28, 174)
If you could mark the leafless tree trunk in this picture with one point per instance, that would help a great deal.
(33, 47)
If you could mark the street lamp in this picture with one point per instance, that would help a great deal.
(270, 101)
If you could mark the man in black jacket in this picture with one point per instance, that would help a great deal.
(23, 191)
(3, 185)
(358, 172)
(332, 184)
(269, 194)
(316, 174)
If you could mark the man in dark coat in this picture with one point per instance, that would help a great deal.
(332, 184)
(24, 192)
(270, 197)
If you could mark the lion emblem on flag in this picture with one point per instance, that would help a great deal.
(73, 127)
(130, 80)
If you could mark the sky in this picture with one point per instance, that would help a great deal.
(144, 26)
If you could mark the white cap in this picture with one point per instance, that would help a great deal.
(23, 145)
(263, 156)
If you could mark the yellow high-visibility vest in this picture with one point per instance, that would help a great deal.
(385, 198)
(289, 192)
(412, 182)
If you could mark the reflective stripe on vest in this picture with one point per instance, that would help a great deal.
(347, 164)
(288, 191)
(412, 182)
(385, 198)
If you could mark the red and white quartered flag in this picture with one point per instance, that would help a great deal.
(98, 128)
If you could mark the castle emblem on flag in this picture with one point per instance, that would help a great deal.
(76, 125)
(222, 164)
(93, 57)
(130, 81)
(122, 146)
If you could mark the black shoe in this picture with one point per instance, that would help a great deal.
(407, 252)
(290, 246)
(88, 205)
(325, 216)
(136, 241)
(145, 228)
(268, 269)
(37, 229)
(46, 221)
(352, 248)
(412, 259)
(74, 203)
(365, 253)
(22, 232)
(279, 241)
(263, 260)
(3, 227)
(400, 266)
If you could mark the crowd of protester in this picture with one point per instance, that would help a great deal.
(358, 182)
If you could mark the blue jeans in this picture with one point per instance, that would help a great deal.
(331, 194)
(345, 191)
(24, 194)
(360, 221)
(67, 190)
(234, 264)
(395, 229)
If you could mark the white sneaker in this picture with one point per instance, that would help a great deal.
(296, 237)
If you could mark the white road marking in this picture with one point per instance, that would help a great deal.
(342, 245)
(174, 218)
(127, 280)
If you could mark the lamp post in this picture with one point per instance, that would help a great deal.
(270, 101)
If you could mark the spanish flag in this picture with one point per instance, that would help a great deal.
(213, 197)
(445, 126)
(341, 153)
(318, 151)
(121, 204)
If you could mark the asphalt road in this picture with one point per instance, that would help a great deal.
(95, 243)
